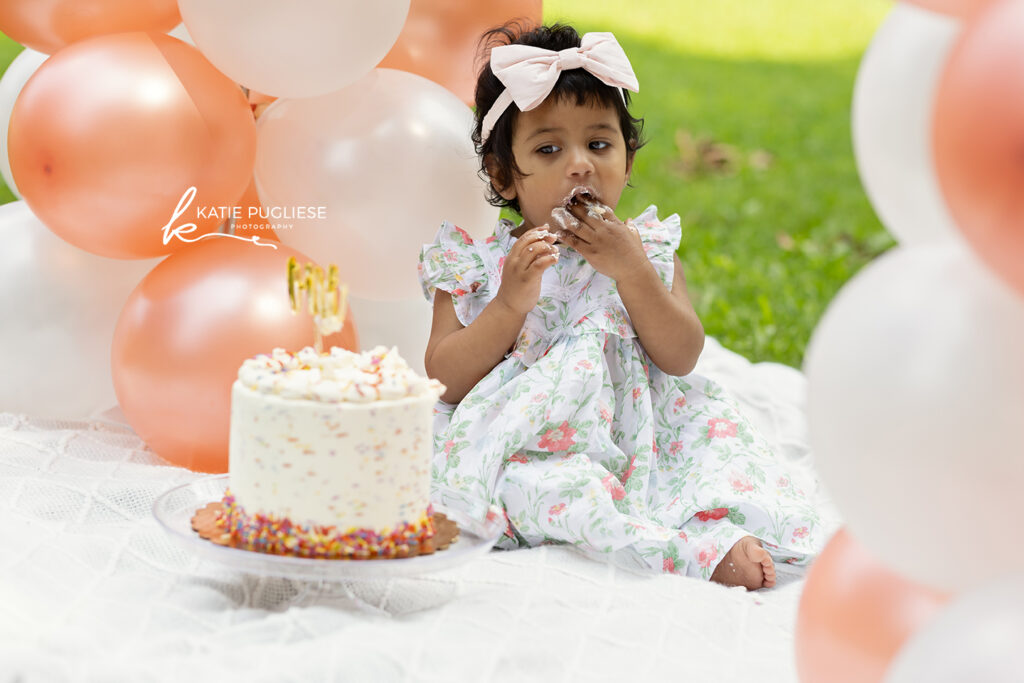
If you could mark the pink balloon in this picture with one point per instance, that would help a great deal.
(956, 8)
(49, 25)
(855, 614)
(441, 39)
(183, 334)
(978, 129)
(111, 132)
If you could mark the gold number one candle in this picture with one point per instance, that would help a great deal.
(327, 303)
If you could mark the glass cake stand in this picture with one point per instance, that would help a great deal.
(175, 508)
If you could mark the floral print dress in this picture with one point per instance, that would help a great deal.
(582, 440)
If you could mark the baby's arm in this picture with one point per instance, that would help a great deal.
(664, 320)
(461, 356)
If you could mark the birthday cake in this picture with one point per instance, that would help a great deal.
(330, 456)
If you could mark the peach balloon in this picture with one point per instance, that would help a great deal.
(49, 25)
(957, 8)
(183, 334)
(110, 133)
(440, 39)
(977, 134)
(855, 614)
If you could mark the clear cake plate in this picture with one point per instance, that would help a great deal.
(174, 510)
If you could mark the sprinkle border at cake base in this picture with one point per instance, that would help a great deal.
(226, 523)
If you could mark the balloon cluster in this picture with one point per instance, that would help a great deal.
(264, 123)
(916, 371)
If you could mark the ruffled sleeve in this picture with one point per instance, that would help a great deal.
(661, 238)
(453, 264)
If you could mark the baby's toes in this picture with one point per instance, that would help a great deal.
(757, 553)
(768, 567)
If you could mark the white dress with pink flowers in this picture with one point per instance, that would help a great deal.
(582, 440)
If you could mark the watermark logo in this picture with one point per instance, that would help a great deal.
(179, 231)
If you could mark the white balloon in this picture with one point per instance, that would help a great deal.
(292, 49)
(977, 637)
(388, 158)
(892, 123)
(404, 323)
(58, 307)
(14, 79)
(915, 403)
(181, 33)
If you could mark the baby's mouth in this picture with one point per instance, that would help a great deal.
(581, 195)
(585, 196)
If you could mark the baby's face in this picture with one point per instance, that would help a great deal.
(560, 146)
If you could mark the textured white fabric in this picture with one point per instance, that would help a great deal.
(91, 589)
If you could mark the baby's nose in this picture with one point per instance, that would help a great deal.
(579, 163)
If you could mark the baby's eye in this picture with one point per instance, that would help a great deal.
(548, 149)
(599, 144)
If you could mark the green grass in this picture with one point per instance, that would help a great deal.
(773, 30)
(8, 51)
(768, 242)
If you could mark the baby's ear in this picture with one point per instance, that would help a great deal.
(507, 192)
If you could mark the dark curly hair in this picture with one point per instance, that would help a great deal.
(576, 84)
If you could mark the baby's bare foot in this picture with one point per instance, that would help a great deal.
(746, 564)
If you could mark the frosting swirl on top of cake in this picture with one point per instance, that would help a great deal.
(336, 376)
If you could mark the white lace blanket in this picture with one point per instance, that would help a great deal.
(91, 588)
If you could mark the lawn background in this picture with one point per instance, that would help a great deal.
(774, 216)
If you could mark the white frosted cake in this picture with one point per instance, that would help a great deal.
(330, 454)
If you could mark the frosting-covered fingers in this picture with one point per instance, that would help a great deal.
(581, 210)
(595, 209)
(540, 233)
(540, 241)
(582, 196)
(563, 219)
(545, 256)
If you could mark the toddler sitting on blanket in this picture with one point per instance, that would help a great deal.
(567, 343)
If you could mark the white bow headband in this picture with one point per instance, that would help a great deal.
(530, 73)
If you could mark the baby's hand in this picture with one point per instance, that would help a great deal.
(532, 254)
(612, 247)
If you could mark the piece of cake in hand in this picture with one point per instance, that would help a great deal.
(330, 455)
(582, 195)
